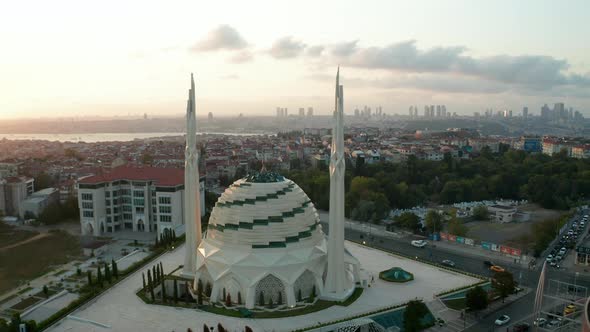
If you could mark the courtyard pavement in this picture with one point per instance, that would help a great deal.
(119, 309)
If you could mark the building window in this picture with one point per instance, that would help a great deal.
(125, 192)
(87, 205)
(115, 201)
(138, 201)
(165, 200)
(88, 214)
(165, 218)
(107, 194)
(108, 202)
(127, 208)
(166, 209)
(116, 210)
(86, 196)
(108, 210)
(109, 220)
(115, 193)
(137, 193)
(139, 210)
(127, 216)
(125, 200)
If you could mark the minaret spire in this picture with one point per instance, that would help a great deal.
(192, 199)
(337, 285)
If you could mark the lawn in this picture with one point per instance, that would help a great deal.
(457, 304)
(22, 305)
(10, 235)
(31, 260)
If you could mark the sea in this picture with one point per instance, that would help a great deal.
(110, 137)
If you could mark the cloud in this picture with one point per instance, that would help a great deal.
(224, 37)
(314, 51)
(241, 57)
(534, 71)
(286, 47)
(344, 49)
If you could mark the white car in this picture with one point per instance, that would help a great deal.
(419, 243)
(502, 320)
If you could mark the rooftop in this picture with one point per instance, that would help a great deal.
(160, 176)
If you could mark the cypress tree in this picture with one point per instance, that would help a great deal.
(261, 299)
(223, 293)
(89, 275)
(151, 285)
(175, 291)
(239, 298)
(206, 328)
(115, 269)
(107, 273)
(173, 235)
(155, 274)
(228, 300)
(280, 299)
(143, 280)
(299, 297)
(163, 291)
(161, 269)
(270, 303)
(208, 289)
(199, 292)
(157, 244)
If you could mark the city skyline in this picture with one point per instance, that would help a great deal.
(70, 62)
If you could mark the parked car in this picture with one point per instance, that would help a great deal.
(419, 243)
(570, 309)
(497, 268)
(502, 320)
(448, 262)
(522, 327)
(540, 322)
(488, 263)
(549, 258)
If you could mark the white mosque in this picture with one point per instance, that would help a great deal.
(264, 240)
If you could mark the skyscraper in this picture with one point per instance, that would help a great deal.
(301, 112)
(310, 112)
(525, 112)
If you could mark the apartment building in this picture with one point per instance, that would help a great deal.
(138, 199)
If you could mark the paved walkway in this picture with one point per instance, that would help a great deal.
(31, 239)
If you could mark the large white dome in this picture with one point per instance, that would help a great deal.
(264, 236)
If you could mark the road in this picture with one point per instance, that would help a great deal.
(518, 311)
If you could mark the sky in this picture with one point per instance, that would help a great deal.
(67, 58)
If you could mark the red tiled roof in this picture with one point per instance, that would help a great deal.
(161, 176)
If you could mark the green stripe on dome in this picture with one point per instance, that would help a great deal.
(253, 201)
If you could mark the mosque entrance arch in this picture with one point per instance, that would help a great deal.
(270, 287)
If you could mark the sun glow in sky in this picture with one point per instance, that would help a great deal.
(82, 58)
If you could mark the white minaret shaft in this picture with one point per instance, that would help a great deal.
(192, 206)
(336, 279)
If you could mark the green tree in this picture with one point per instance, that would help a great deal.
(107, 273)
(89, 275)
(200, 292)
(481, 212)
(261, 299)
(413, 314)
(143, 280)
(280, 298)
(239, 298)
(456, 227)
(43, 180)
(409, 221)
(299, 296)
(433, 221)
(175, 292)
(504, 283)
(476, 299)
(115, 269)
(228, 300)
(45, 291)
(163, 284)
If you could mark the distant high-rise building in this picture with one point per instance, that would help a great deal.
(438, 111)
(432, 111)
(357, 113)
(278, 112)
(443, 109)
(411, 111)
(285, 112)
(301, 112)
(145, 116)
(525, 112)
(426, 111)
(210, 116)
(310, 112)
